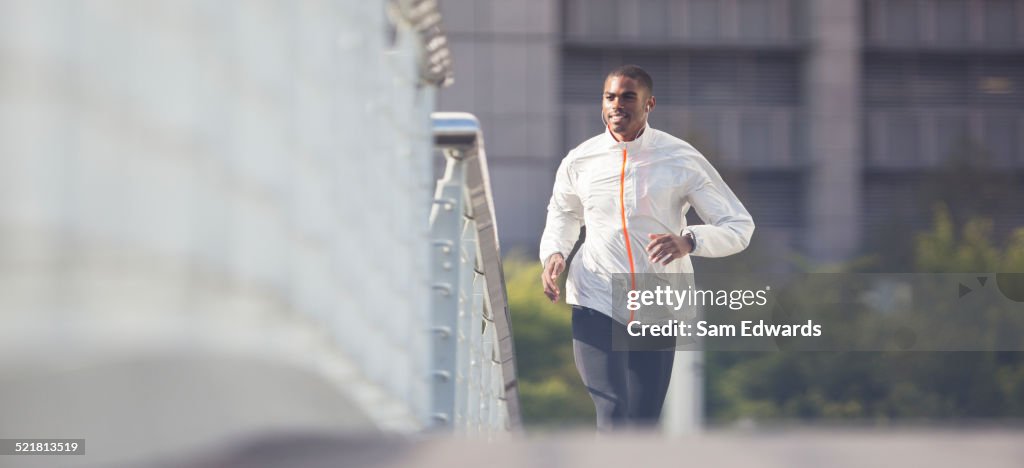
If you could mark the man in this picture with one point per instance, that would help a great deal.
(637, 183)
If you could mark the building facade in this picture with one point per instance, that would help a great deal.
(834, 120)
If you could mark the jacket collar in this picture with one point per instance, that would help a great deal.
(640, 142)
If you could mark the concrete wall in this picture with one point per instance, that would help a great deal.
(833, 101)
(180, 181)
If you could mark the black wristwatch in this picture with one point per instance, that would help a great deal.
(693, 241)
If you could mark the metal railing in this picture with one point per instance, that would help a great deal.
(473, 385)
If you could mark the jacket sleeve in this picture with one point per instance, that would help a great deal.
(728, 225)
(565, 216)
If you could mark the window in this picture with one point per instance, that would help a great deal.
(690, 78)
(692, 21)
(901, 18)
(920, 109)
(954, 23)
(653, 18)
(951, 21)
(704, 19)
(755, 19)
(1000, 19)
(898, 80)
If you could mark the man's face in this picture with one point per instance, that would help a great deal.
(626, 104)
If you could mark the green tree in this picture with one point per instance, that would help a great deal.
(550, 389)
(822, 386)
(883, 386)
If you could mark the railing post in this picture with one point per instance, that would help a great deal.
(446, 237)
(473, 376)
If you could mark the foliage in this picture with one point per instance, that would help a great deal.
(942, 251)
(883, 386)
(550, 389)
(873, 387)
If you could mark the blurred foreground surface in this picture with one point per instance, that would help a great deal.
(796, 448)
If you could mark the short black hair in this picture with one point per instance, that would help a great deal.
(636, 73)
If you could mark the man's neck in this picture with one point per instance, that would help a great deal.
(627, 137)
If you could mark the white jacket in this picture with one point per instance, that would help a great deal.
(664, 177)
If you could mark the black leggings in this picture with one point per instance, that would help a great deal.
(628, 386)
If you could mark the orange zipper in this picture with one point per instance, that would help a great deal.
(625, 230)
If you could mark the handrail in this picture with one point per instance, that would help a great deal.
(473, 370)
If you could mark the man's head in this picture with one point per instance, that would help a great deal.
(628, 98)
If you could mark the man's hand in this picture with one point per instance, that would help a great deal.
(553, 268)
(664, 248)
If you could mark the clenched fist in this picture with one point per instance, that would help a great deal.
(549, 278)
(664, 248)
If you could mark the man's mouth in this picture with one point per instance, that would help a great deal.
(617, 117)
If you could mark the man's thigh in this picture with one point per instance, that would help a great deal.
(649, 373)
(602, 369)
